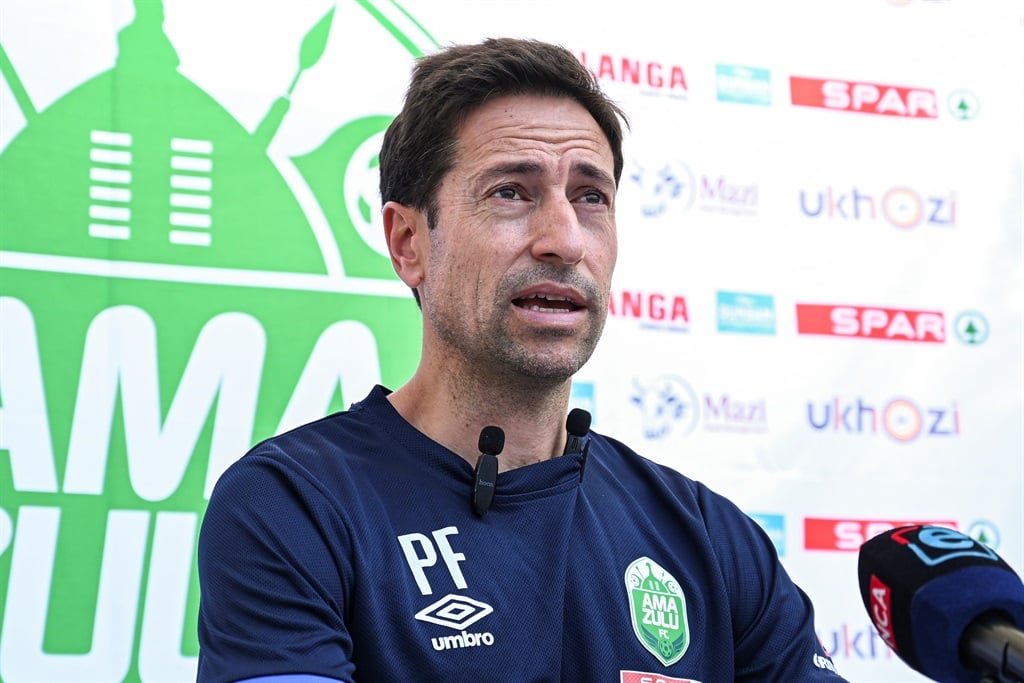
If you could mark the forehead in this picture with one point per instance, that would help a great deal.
(550, 130)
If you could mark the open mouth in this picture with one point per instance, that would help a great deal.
(547, 303)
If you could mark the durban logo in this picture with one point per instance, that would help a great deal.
(657, 608)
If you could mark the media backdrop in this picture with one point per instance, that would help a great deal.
(817, 311)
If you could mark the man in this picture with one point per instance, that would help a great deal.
(363, 546)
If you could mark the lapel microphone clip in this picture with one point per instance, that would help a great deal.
(485, 476)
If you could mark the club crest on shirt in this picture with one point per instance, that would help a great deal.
(657, 608)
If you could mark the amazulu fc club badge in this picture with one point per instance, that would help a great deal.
(657, 608)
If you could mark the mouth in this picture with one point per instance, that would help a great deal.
(549, 298)
(547, 303)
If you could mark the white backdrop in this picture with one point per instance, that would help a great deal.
(818, 308)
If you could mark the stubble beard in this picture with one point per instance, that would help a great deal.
(497, 350)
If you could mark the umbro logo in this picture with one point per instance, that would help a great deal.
(455, 611)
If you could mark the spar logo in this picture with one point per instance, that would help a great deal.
(649, 76)
(864, 98)
(901, 419)
(174, 285)
(848, 535)
(669, 405)
(868, 322)
(657, 610)
(659, 311)
(663, 187)
(900, 206)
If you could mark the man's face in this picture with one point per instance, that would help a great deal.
(521, 259)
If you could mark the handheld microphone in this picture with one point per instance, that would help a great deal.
(949, 606)
(485, 476)
(578, 426)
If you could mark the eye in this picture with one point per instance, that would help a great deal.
(509, 193)
(593, 197)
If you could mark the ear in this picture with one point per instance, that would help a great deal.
(405, 229)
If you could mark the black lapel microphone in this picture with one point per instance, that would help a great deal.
(485, 476)
(578, 427)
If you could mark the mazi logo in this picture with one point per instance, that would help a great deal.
(657, 609)
(662, 187)
(667, 404)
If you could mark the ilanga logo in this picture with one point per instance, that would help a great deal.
(171, 290)
(657, 608)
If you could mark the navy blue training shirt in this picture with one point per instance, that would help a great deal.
(348, 550)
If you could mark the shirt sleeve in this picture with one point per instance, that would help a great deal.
(273, 572)
(773, 619)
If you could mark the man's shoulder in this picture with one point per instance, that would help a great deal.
(621, 457)
(320, 449)
(621, 461)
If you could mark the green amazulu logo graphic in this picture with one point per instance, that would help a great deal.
(173, 288)
(657, 608)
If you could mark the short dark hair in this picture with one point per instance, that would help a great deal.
(447, 86)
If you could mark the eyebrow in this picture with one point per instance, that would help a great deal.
(583, 168)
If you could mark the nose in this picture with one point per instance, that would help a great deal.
(557, 234)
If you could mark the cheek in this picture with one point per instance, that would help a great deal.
(604, 250)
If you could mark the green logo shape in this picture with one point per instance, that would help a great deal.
(657, 608)
(178, 289)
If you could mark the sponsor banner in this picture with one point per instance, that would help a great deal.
(643, 73)
(743, 84)
(191, 259)
(888, 324)
(647, 677)
(901, 419)
(848, 535)
(864, 98)
(745, 313)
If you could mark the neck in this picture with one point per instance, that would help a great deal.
(452, 407)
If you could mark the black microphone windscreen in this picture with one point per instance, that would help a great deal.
(923, 586)
(492, 440)
(578, 422)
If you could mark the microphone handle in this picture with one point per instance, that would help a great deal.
(995, 647)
